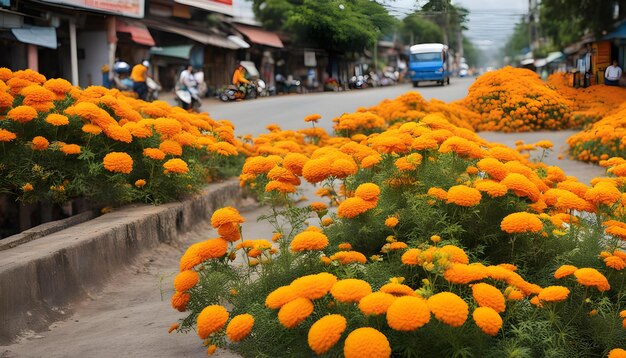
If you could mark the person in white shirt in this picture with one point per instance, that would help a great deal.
(188, 80)
(612, 74)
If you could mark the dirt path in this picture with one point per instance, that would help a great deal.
(130, 316)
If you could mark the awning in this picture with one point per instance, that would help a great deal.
(540, 62)
(239, 41)
(554, 57)
(619, 33)
(182, 51)
(204, 38)
(221, 6)
(260, 36)
(138, 31)
(35, 35)
(527, 61)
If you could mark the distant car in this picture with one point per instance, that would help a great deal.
(463, 72)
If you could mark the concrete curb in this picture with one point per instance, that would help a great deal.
(41, 279)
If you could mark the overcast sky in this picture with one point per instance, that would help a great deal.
(491, 22)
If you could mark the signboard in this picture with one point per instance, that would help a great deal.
(129, 8)
(309, 59)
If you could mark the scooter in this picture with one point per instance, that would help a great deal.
(233, 93)
(186, 100)
(153, 89)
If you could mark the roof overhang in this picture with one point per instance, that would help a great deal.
(138, 31)
(221, 6)
(260, 36)
(36, 35)
(201, 37)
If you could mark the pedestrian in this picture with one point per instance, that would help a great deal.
(139, 75)
(612, 74)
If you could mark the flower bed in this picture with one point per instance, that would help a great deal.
(58, 142)
(442, 244)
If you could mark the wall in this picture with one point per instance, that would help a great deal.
(93, 53)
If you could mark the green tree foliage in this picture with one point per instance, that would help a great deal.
(337, 26)
(565, 21)
(415, 29)
(518, 40)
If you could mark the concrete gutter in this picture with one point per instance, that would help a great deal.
(42, 278)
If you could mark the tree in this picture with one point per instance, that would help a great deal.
(565, 21)
(337, 26)
(415, 29)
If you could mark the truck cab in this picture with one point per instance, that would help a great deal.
(429, 62)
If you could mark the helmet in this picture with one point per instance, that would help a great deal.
(146, 63)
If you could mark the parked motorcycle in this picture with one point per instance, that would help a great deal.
(186, 99)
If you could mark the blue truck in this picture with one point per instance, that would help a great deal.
(429, 62)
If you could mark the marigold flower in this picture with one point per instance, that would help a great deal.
(140, 183)
(173, 327)
(60, 87)
(314, 286)
(397, 246)
(366, 342)
(239, 327)
(592, 277)
(493, 167)
(437, 239)
(456, 254)
(391, 222)
(191, 257)
(348, 257)
(175, 165)
(408, 313)
(211, 349)
(449, 308)
(367, 192)
(6, 136)
(186, 280)
(376, 303)
(280, 296)
(617, 353)
(154, 153)
(487, 295)
(312, 118)
(553, 294)
(565, 270)
(22, 114)
(521, 222)
(294, 312)
(118, 162)
(57, 119)
(350, 290)
(464, 274)
(212, 249)
(70, 149)
(40, 143)
(353, 207)
(309, 240)
(603, 193)
(316, 170)
(226, 215)
(463, 195)
(210, 320)
(171, 147)
(326, 332)
(118, 133)
(615, 262)
(27, 187)
(167, 126)
(295, 162)
(488, 320)
(522, 186)
(179, 301)
(492, 188)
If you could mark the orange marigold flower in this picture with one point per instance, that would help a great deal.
(391, 222)
(397, 246)
(211, 349)
(615, 262)
(22, 114)
(295, 162)
(210, 320)
(191, 257)
(592, 277)
(167, 126)
(367, 192)
(326, 332)
(397, 289)
(225, 215)
(280, 186)
(463, 195)
(186, 280)
(314, 286)
(180, 300)
(521, 222)
(171, 147)
(345, 246)
(318, 206)
(6, 136)
(522, 186)
(603, 193)
(408, 313)
(173, 327)
(118, 133)
(154, 153)
(280, 296)
(140, 183)
(175, 165)
(40, 143)
(118, 162)
(488, 320)
(27, 187)
(464, 274)
(240, 327)
(617, 353)
(353, 207)
(57, 119)
(366, 342)
(348, 257)
(91, 129)
(59, 87)
(309, 240)
(493, 167)
(70, 149)
(312, 118)
(316, 170)
(565, 270)
(492, 188)
(553, 294)
(327, 221)
(487, 295)
(212, 249)
(455, 253)
(294, 312)
(350, 290)
(449, 308)
(258, 165)
(376, 303)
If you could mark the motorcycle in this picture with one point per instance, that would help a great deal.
(186, 99)
(233, 93)
(153, 89)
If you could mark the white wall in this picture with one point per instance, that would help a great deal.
(94, 46)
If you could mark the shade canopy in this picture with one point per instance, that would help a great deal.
(138, 32)
(260, 36)
(36, 35)
(182, 51)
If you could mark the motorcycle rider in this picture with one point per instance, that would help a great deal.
(239, 79)
(187, 82)
(139, 75)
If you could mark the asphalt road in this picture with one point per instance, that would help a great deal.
(130, 315)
